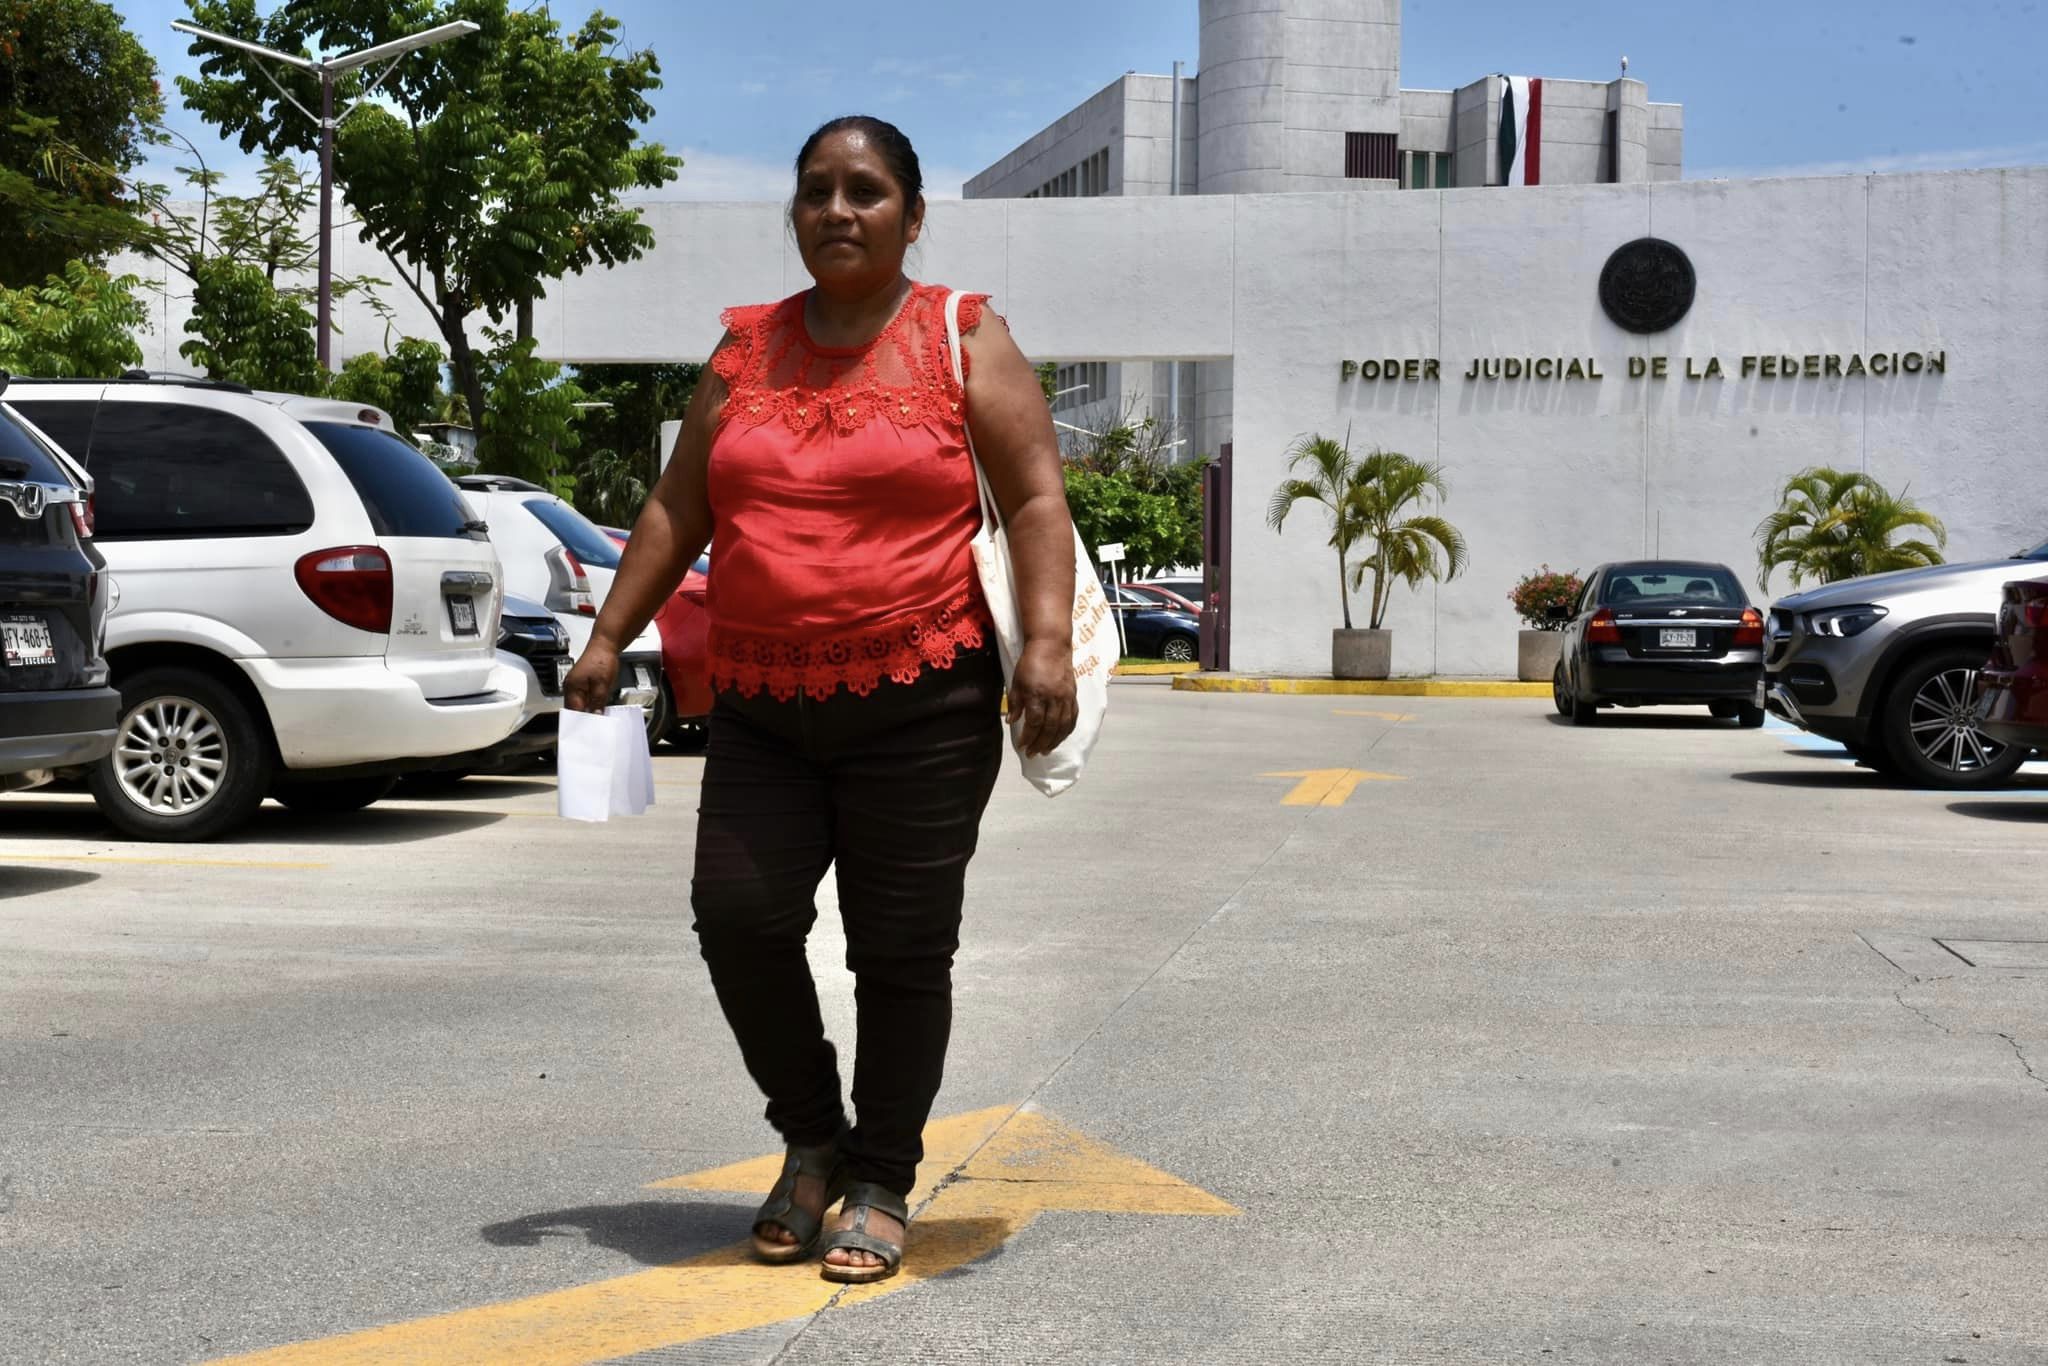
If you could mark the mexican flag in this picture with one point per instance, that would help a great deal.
(1521, 130)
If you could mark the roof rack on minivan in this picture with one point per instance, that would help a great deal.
(496, 483)
(142, 377)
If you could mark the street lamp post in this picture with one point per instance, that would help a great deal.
(328, 69)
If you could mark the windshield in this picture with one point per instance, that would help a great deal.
(2039, 552)
(579, 533)
(1682, 585)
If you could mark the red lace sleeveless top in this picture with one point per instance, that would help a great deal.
(842, 502)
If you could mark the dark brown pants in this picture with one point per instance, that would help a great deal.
(889, 790)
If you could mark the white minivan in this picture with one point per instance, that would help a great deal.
(307, 605)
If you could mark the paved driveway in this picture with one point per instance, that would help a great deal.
(1479, 1038)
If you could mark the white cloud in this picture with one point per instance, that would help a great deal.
(753, 87)
(715, 176)
(1950, 159)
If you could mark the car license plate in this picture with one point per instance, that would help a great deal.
(27, 641)
(1670, 639)
(562, 667)
(462, 614)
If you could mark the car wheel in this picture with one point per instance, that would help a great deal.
(335, 796)
(1929, 725)
(1749, 716)
(1558, 697)
(190, 761)
(660, 715)
(1179, 650)
(1584, 713)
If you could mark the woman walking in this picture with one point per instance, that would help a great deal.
(857, 722)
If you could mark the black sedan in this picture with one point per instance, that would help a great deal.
(1652, 633)
(56, 710)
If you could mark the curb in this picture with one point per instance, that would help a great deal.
(1151, 670)
(1361, 687)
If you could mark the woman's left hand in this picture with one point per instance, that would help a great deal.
(1042, 699)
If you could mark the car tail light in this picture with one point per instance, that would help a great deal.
(568, 584)
(1601, 630)
(81, 519)
(1751, 632)
(693, 587)
(350, 583)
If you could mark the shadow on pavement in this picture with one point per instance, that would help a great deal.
(18, 881)
(651, 1232)
(1652, 721)
(478, 788)
(1839, 776)
(374, 825)
(2020, 813)
(1803, 752)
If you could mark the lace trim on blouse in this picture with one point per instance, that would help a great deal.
(859, 661)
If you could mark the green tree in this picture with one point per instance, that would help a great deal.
(1322, 470)
(609, 489)
(405, 384)
(489, 165)
(1404, 544)
(80, 324)
(531, 431)
(245, 332)
(1840, 524)
(78, 95)
(1110, 508)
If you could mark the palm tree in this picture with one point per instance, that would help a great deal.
(1409, 548)
(1838, 524)
(1321, 470)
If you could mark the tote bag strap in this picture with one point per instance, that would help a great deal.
(988, 497)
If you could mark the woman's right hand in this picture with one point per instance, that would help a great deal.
(594, 681)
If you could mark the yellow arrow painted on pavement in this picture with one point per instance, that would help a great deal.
(1018, 1165)
(1329, 786)
(1378, 715)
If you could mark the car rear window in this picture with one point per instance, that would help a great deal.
(22, 457)
(586, 541)
(163, 471)
(400, 488)
(1701, 585)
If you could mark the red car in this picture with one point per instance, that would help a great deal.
(1165, 597)
(2012, 690)
(685, 656)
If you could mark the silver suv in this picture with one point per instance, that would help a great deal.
(1887, 666)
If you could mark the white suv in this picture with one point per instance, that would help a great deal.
(306, 604)
(555, 555)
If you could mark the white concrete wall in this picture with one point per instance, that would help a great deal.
(1277, 290)
(1427, 124)
(1666, 149)
(1095, 124)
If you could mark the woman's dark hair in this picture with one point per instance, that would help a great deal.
(895, 150)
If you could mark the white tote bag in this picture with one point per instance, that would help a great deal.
(1094, 633)
(602, 765)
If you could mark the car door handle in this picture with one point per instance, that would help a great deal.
(465, 581)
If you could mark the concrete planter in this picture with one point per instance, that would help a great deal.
(1361, 654)
(1536, 655)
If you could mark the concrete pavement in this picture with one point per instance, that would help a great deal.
(1570, 1045)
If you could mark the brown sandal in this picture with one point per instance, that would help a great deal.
(861, 1197)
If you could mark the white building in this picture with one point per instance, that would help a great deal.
(1304, 95)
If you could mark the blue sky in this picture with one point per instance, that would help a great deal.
(1792, 87)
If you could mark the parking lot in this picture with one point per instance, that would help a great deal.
(1360, 1029)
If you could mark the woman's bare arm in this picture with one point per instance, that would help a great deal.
(1013, 434)
(671, 533)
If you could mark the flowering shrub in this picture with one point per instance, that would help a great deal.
(1537, 593)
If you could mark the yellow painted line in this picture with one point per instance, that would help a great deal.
(1329, 786)
(1360, 687)
(10, 856)
(1027, 1164)
(1142, 670)
(1379, 715)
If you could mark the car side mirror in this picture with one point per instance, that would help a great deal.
(1558, 611)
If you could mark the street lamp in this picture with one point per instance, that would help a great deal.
(327, 70)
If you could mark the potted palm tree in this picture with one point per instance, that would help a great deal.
(1406, 544)
(1838, 524)
(1369, 502)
